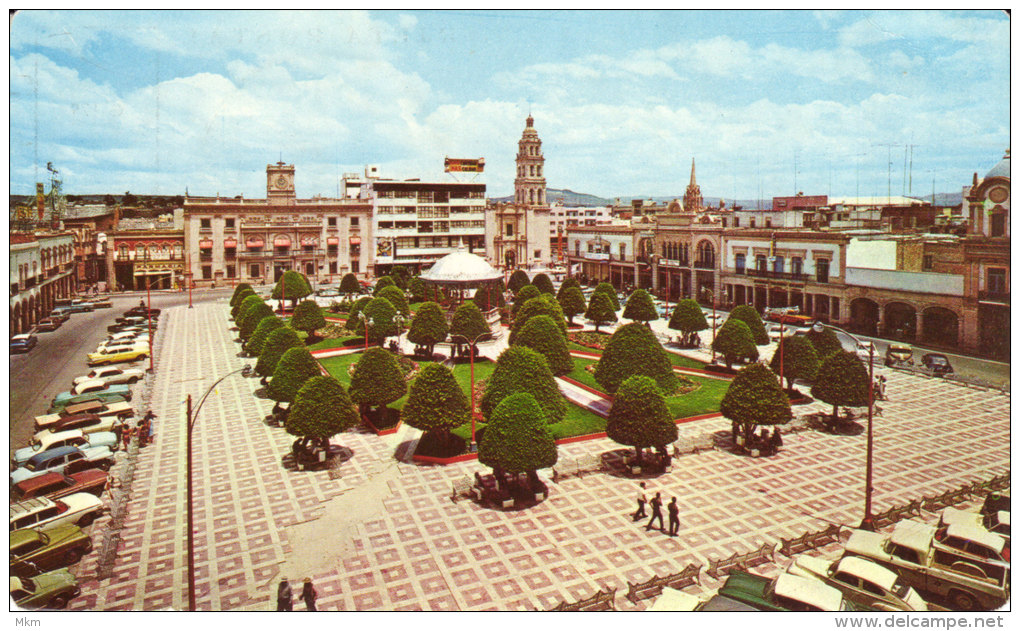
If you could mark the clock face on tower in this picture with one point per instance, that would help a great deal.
(281, 182)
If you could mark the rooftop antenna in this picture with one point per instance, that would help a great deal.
(910, 178)
(888, 146)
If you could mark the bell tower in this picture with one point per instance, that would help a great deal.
(529, 185)
(693, 202)
(280, 182)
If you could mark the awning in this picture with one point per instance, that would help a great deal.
(309, 241)
(205, 243)
(355, 241)
(281, 242)
(230, 243)
(332, 241)
(255, 242)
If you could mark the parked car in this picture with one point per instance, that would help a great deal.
(118, 409)
(93, 388)
(48, 324)
(129, 335)
(996, 522)
(786, 592)
(898, 354)
(101, 303)
(937, 363)
(87, 424)
(117, 356)
(58, 407)
(777, 331)
(52, 590)
(111, 375)
(142, 312)
(927, 565)
(121, 324)
(44, 441)
(80, 306)
(36, 551)
(23, 342)
(995, 502)
(79, 509)
(122, 345)
(60, 313)
(861, 581)
(56, 485)
(67, 460)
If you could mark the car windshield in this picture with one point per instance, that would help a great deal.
(900, 589)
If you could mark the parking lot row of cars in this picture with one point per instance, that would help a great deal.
(24, 342)
(58, 481)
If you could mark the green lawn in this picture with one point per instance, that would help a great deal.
(581, 375)
(331, 342)
(337, 366)
(684, 362)
(577, 422)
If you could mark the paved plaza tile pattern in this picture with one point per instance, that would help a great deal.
(383, 534)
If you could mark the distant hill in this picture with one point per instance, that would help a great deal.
(567, 197)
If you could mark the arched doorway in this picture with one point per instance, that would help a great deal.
(510, 259)
(940, 326)
(900, 321)
(864, 316)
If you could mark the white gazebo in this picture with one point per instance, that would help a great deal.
(460, 271)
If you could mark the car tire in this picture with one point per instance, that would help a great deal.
(86, 521)
(58, 602)
(963, 601)
(72, 556)
(106, 466)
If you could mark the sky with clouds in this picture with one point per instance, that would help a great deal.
(768, 103)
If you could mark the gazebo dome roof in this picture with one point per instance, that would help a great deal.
(1001, 169)
(461, 267)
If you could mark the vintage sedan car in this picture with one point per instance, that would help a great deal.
(49, 439)
(786, 592)
(994, 522)
(101, 303)
(56, 485)
(898, 354)
(60, 313)
(66, 460)
(23, 342)
(861, 581)
(117, 409)
(121, 324)
(142, 312)
(48, 324)
(57, 408)
(108, 346)
(87, 423)
(112, 374)
(92, 389)
(80, 306)
(937, 363)
(35, 551)
(79, 509)
(52, 590)
(130, 335)
(113, 356)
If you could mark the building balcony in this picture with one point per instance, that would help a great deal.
(758, 273)
(1001, 297)
(708, 264)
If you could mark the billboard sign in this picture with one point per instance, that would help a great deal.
(464, 165)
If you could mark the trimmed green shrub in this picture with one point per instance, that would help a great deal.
(381, 312)
(640, 307)
(241, 288)
(321, 409)
(607, 289)
(750, 317)
(436, 404)
(754, 398)
(826, 343)
(353, 322)
(349, 285)
(639, 416)
(734, 341)
(468, 322)
(799, 359)
(377, 380)
(428, 327)
(543, 283)
(235, 306)
(523, 295)
(521, 369)
(541, 334)
(251, 318)
(517, 280)
(244, 306)
(517, 439)
(544, 304)
(489, 297)
(688, 318)
(292, 286)
(417, 289)
(600, 309)
(634, 350)
(567, 284)
(397, 298)
(308, 317)
(382, 283)
(295, 367)
(400, 276)
(842, 380)
(572, 302)
(278, 342)
(258, 339)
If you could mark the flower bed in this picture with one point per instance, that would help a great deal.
(589, 339)
(684, 383)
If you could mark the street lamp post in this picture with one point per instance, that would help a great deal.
(192, 415)
(868, 522)
(711, 295)
(368, 322)
(471, 395)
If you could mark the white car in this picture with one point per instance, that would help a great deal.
(111, 375)
(867, 350)
(51, 440)
(127, 336)
(861, 581)
(123, 345)
(996, 523)
(41, 513)
(779, 330)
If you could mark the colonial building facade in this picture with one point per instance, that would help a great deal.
(42, 270)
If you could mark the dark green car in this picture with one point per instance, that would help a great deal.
(35, 551)
(786, 592)
(52, 590)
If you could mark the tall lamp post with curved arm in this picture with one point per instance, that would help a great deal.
(471, 350)
(368, 322)
(192, 416)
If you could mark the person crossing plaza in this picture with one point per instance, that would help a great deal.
(656, 505)
(641, 501)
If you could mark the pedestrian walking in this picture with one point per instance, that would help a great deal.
(308, 594)
(674, 517)
(641, 501)
(656, 505)
(284, 596)
(777, 440)
(125, 435)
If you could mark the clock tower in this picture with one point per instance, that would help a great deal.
(280, 182)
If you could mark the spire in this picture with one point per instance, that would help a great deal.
(693, 201)
(530, 122)
(693, 181)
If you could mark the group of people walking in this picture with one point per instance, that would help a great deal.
(285, 596)
(143, 430)
(655, 505)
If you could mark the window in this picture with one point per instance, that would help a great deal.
(998, 224)
(761, 263)
(538, 254)
(796, 265)
(623, 251)
(255, 271)
(768, 222)
(332, 267)
(752, 222)
(355, 266)
(230, 271)
(331, 221)
(205, 224)
(509, 230)
(740, 261)
(577, 248)
(229, 222)
(354, 221)
(996, 280)
(779, 265)
(822, 270)
(206, 272)
(736, 222)
(927, 262)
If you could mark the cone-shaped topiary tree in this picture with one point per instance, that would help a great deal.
(521, 369)
(634, 350)
(489, 297)
(278, 342)
(688, 318)
(376, 382)
(239, 299)
(825, 342)
(400, 276)
(640, 307)
(381, 312)
(750, 317)
(639, 416)
(543, 283)
(572, 302)
(517, 439)
(240, 308)
(428, 327)
(523, 295)
(544, 304)
(251, 318)
(397, 298)
(600, 309)
(382, 283)
(541, 334)
(607, 289)
(734, 341)
(241, 288)
(755, 398)
(258, 339)
(436, 404)
(349, 285)
(353, 322)
(321, 409)
(468, 323)
(417, 289)
(796, 358)
(308, 318)
(292, 286)
(567, 284)
(517, 280)
(841, 380)
(295, 367)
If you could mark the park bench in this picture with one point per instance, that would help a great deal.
(601, 601)
(567, 467)
(810, 540)
(461, 488)
(653, 587)
(764, 554)
(692, 444)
